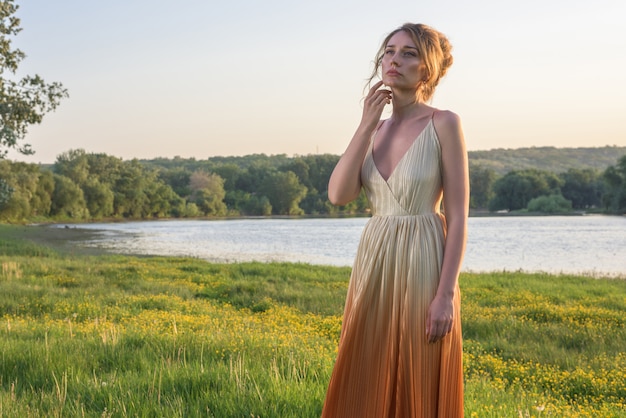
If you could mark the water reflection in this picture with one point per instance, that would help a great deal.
(591, 244)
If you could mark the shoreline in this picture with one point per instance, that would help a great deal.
(472, 214)
(65, 240)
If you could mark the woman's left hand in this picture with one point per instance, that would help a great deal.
(440, 318)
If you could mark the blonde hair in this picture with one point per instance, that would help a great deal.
(434, 50)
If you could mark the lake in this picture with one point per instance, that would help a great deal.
(591, 245)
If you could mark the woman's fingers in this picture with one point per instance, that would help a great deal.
(374, 105)
(379, 97)
(376, 92)
(375, 87)
(436, 330)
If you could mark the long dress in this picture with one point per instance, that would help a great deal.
(385, 366)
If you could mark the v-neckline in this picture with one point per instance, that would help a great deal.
(393, 170)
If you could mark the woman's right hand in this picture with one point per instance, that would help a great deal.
(375, 102)
(345, 182)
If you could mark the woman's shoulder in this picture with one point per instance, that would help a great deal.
(445, 118)
(448, 127)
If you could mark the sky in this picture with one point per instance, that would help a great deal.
(202, 78)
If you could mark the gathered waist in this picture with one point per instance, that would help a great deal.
(409, 215)
(391, 224)
(426, 218)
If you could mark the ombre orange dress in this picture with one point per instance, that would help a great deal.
(385, 366)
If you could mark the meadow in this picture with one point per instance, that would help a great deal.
(101, 335)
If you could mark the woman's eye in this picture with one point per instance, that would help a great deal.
(410, 54)
(389, 51)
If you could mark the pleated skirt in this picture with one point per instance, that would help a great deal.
(385, 366)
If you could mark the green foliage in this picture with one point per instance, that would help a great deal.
(481, 185)
(583, 187)
(178, 179)
(261, 186)
(41, 200)
(247, 181)
(550, 204)
(5, 192)
(230, 173)
(25, 199)
(556, 160)
(23, 102)
(615, 176)
(99, 198)
(208, 193)
(255, 176)
(68, 200)
(517, 188)
(191, 210)
(284, 191)
(250, 204)
(117, 188)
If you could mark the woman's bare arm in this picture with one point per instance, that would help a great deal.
(345, 181)
(456, 206)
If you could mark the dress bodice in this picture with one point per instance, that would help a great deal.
(415, 184)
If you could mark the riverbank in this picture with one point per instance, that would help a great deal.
(64, 240)
(472, 213)
(112, 335)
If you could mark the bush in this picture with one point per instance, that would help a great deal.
(550, 204)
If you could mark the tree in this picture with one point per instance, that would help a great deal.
(284, 192)
(255, 176)
(300, 168)
(99, 198)
(230, 173)
(517, 188)
(208, 192)
(555, 203)
(320, 169)
(41, 200)
(615, 177)
(6, 192)
(68, 200)
(21, 182)
(583, 187)
(132, 190)
(481, 185)
(250, 204)
(25, 101)
(178, 179)
(74, 165)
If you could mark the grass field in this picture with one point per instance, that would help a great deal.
(108, 335)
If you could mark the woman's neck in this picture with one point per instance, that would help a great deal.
(405, 105)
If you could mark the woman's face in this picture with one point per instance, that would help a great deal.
(401, 65)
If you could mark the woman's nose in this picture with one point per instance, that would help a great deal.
(395, 60)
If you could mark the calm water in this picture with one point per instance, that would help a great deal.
(594, 245)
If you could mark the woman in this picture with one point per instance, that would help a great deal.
(400, 347)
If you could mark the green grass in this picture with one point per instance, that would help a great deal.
(109, 335)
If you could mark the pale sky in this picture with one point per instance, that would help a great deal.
(202, 78)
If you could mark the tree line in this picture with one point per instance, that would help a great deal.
(96, 186)
(543, 191)
(558, 160)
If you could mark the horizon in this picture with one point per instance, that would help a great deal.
(202, 80)
(174, 157)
